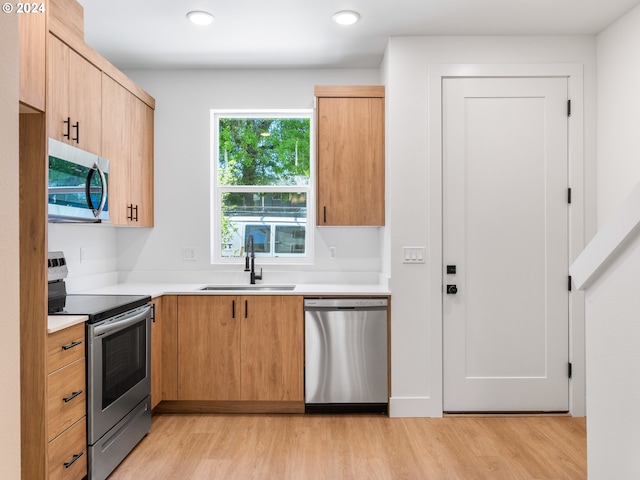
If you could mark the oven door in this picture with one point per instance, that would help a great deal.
(119, 372)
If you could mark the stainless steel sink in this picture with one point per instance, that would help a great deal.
(249, 288)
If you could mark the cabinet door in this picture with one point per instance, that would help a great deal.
(85, 100)
(156, 353)
(115, 147)
(58, 91)
(127, 142)
(350, 161)
(208, 348)
(33, 35)
(74, 98)
(141, 169)
(272, 345)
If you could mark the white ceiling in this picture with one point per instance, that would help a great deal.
(301, 34)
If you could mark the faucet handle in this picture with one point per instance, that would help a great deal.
(258, 277)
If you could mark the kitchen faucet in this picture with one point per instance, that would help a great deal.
(250, 247)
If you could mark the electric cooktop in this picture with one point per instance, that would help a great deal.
(97, 307)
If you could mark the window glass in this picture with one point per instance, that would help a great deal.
(262, 184)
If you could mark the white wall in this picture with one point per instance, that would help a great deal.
(9, 251)
(613, 366)
(182, 174)
(618, 112)
(416, 332)
(99, 267)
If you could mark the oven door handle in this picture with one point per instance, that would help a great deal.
(109, 328)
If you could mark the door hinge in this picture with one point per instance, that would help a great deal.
(570, 370)
(569, 283)
(568, 195)
(568, 108)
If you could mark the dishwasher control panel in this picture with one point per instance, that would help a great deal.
(311, 303)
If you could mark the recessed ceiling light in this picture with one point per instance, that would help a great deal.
(346, 17)
(200, 18)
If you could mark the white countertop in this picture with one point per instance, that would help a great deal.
(158, 289)
(59, 322)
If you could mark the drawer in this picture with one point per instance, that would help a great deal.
(65, 346)
(67, 455)
(66, 397)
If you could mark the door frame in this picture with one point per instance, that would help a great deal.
(576, 177)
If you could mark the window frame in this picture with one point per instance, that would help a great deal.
(216, 189)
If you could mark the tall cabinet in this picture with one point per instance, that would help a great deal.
(350, 155)
(61, 96)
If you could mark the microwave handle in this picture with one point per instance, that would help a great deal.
(103, 183)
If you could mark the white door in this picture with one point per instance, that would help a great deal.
(505, 229)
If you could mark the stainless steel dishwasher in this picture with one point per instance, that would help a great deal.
(346, 357)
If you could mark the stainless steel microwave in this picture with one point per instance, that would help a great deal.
(77, 185)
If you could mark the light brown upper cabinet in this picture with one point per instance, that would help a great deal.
(127, 142)
(350, 155)
(74, 98)
(33, 37)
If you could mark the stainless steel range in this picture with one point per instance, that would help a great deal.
(118, 368)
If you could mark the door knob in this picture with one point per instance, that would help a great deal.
(452, 289)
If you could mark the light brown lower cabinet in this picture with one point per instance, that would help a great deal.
(240, 348)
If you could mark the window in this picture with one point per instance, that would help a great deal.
(261, 185)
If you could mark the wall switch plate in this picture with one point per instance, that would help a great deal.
(188, 254)
(413, 255)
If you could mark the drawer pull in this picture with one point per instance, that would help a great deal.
(71, 345)
(73, 460)
(73, 395)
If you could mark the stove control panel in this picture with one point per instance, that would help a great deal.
(56, 266)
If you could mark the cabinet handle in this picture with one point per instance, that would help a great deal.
(325, 214)
(73, 460)
(136, 209)
(68, 123)
(73, 395)
(71, 345)
(246, 308)
(77, 127)
(130, 214)
(233, 309)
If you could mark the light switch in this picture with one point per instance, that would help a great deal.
(413, 255)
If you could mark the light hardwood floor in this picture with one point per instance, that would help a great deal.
(241, 447)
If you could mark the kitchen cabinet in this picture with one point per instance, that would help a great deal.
(66, 404)
(350, 156)
(163, 349)
(208, 348)
(127, 142)
(156, 352)
(73, 98)
(240, 348)
(33, 36)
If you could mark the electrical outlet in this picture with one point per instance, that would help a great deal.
(332, 252)
(83, 255)
(188, 254)
(413, 255)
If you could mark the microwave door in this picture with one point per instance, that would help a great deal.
(77, 185)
